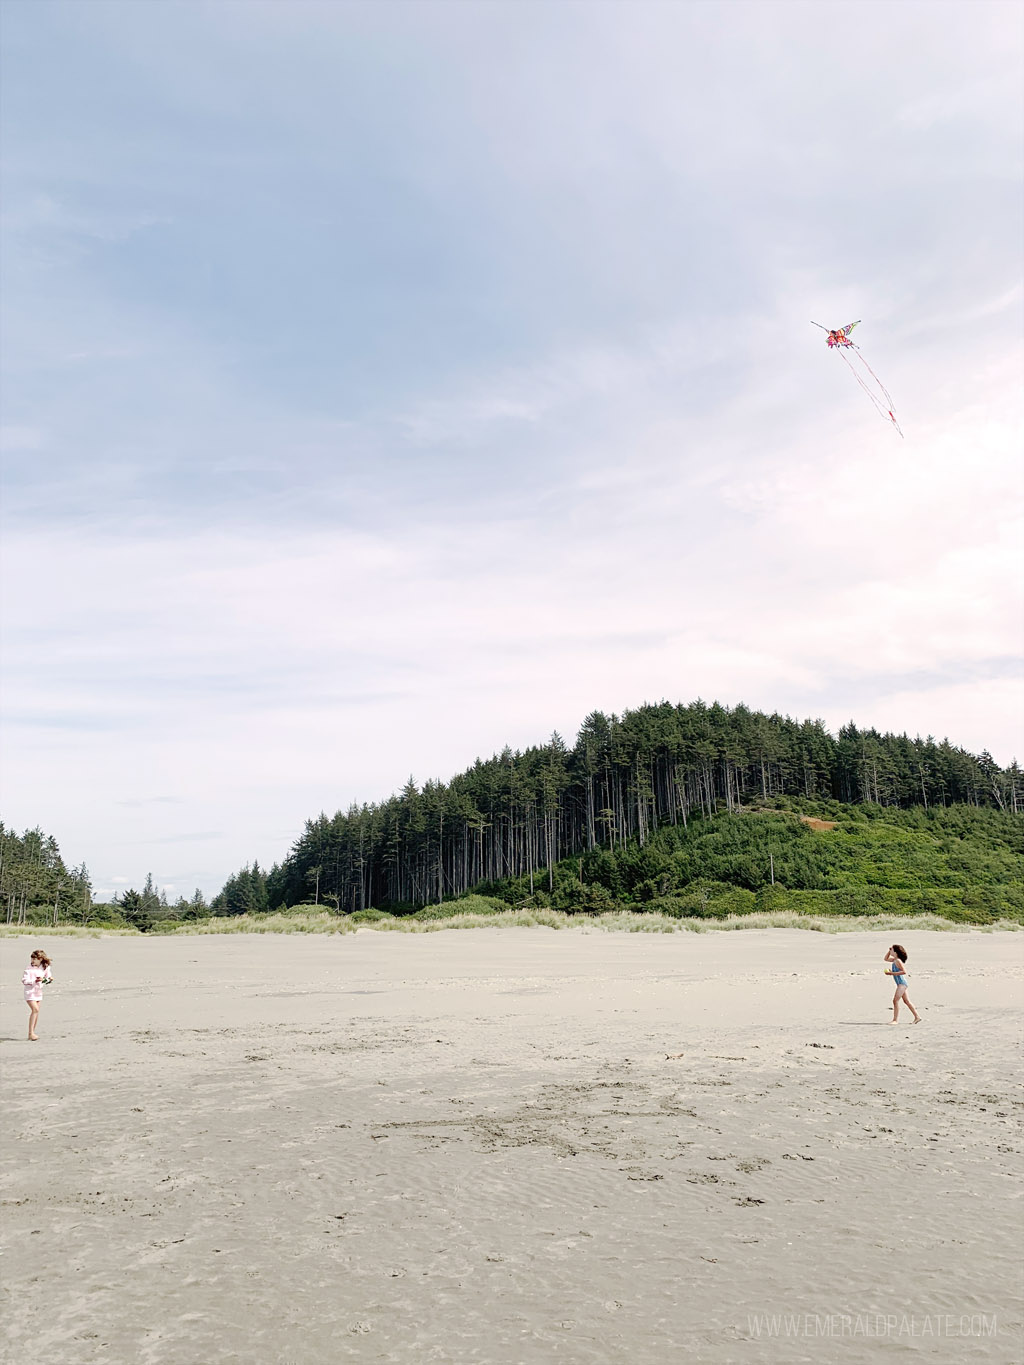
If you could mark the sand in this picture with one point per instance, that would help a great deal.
(470, 1147)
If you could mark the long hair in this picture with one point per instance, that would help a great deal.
(40, 956)
(900, 952)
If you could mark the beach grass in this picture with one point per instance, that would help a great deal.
(313, 921)
(67, 931)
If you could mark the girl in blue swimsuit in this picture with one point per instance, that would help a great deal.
(897, 955)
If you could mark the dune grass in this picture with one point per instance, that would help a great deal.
(620, 921)
(310, 922)
(66, 931)
(626, 921)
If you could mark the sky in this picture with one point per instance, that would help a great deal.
(384, 384)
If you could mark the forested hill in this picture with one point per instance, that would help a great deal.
(512, 818)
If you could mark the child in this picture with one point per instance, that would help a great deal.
(37, 974)
(898, 957)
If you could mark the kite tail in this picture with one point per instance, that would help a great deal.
(885, 391)
(881, 398)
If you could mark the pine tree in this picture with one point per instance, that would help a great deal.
(136, 910)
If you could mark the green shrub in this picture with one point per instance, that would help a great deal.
(536, 900)
(466, 905)
(582, 898)
(964, 905)
(480, 905)
(676, 907)
(736, 901)
(447, 910)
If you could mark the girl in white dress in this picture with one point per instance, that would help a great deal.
(37, 974)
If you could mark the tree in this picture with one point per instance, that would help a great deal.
(135, 910)
(193, 909)
(150, 896)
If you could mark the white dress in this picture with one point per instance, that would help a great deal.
(33, 982)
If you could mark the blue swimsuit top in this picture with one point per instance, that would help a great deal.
(898, 976)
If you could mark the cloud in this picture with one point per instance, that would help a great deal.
(386, 384)
(15, 438)
(190, 837)
(979, 711)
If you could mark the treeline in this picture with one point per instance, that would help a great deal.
(36, 886)
(145, 909)
(516, 815)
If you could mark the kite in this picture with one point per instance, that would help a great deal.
(838, 340)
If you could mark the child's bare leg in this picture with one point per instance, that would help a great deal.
(33, 1020)
(895, 1007)
(906, 1001)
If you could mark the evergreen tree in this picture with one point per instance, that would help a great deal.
(136, 910)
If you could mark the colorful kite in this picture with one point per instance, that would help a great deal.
(838, 339)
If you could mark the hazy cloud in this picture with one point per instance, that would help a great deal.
(386, 383)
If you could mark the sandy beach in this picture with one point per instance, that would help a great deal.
(472, 1147)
